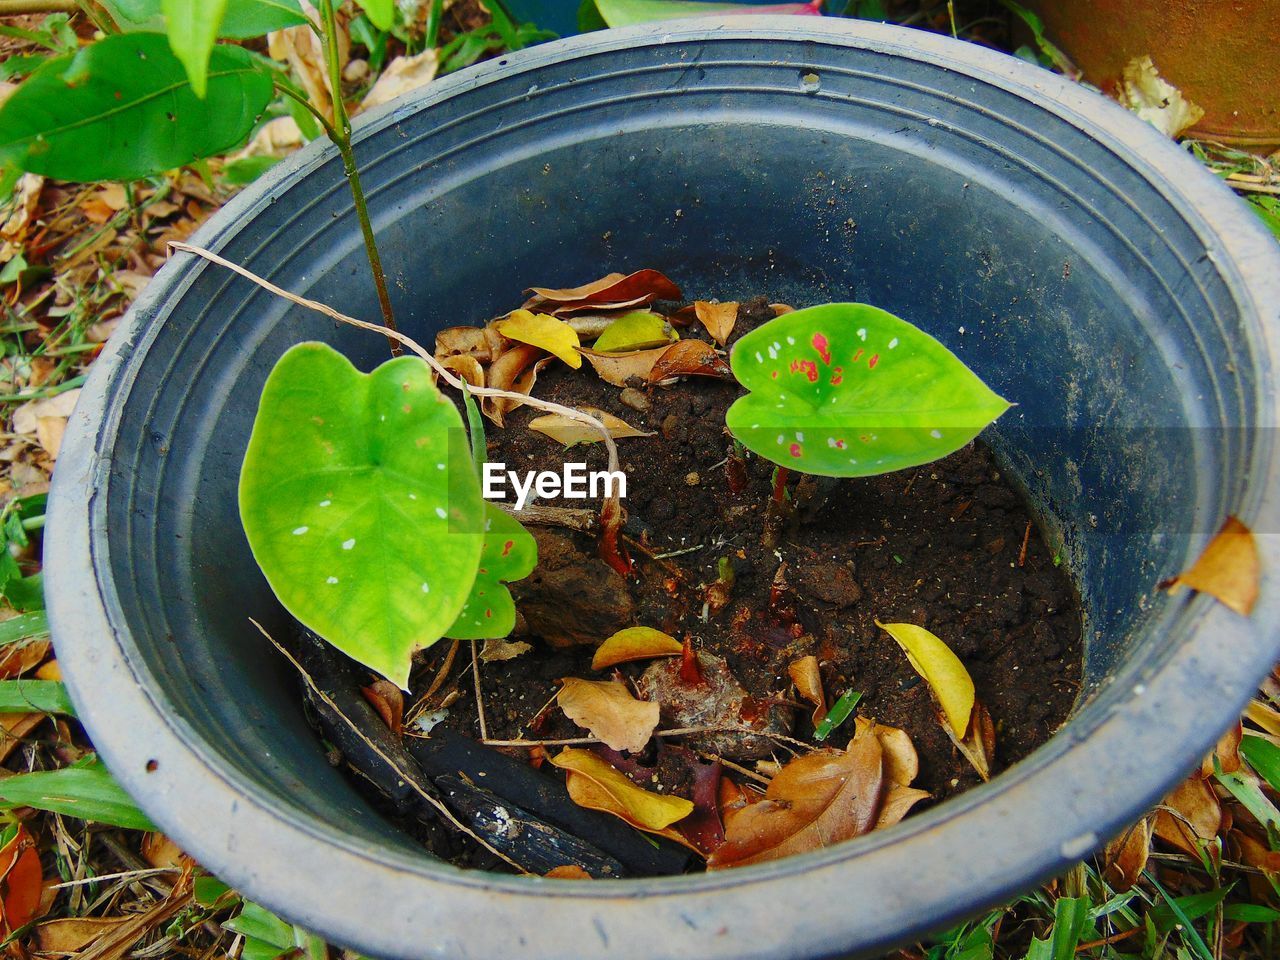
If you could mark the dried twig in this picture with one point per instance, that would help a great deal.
(673, 732)
(475, 675)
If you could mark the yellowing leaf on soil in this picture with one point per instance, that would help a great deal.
(637, 330)
(560, 428)
(541, 330)
(635, 643)
(641, 808)
(808, 680)
(718, 318)
(940, 668)
(608, 710)
(1229, 568)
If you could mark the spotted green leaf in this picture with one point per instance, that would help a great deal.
(848, 390)
(509, 553)
(366, 528)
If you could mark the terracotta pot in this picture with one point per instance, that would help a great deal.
(1222, 54)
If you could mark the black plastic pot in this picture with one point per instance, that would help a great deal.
(1082, 263)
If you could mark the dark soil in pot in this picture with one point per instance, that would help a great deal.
(950, 546)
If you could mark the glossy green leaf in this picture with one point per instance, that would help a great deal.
(637, 330)
(28, 626)
(192, 27)
(35, 696)
(510, 553)
(258, 923)
(381, 13)
(242, 19)
(849, 390)
(87, 792)
(122, 108)
(366, 528)
(1264, 757)
(624, 13)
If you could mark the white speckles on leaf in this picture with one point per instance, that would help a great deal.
(439, 466)
(325, 503)
(799, 437)
(440, 513)
(426, 587)
(893, 343)
(348, 544)
(759, 357)
(332, 580)
(936, 434)
(862, 333)
(299, 531)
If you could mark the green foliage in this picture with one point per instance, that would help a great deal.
(86, 791)
(35, 696)
(25, 593)
(364, 526)
(192, 26)
(54, 33)
(241, 19)
(501, 33)
(1070, 918)
(509, 553)
(625, 13)
(1264, 757)
(123, 108)
(1268, 209)
(381, 13)
(849, 390)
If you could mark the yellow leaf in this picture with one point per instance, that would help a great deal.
(609, 711)
(636, 330)
(940, 668)
(1228, 569)
(560, 428)
(544, 331)
(648, 811)
(635, 643)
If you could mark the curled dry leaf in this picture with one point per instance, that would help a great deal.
(1226, 752)
(21, 882)
(780, 308)
(1155, 100)
(1263, 716)
(21, 657)
(467, 367)
(1229, 568)
(617, 369)
(808, 680)
(496, 651)
(635, 643)
(73, 934)
(616, 289)
(690, 358)
(637, 330)
(301, 48)
(484, 343)
(817, 800)
(543, 331)
(897, 803)
(1196, 816)
(979, 743)
(901, 762)
(718, 318)
(563, 430)
(1126, 856)
(516, 370)
(608, 710)
(400, 76)
(941, 669)
(595, 784)
(570, 871)
(735, 798)
(387, 699)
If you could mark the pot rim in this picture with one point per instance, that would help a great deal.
(968, 853)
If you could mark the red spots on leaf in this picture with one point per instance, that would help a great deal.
(821, 344)
(807, 367)
(488, 613)
(840, 444)
(865, 438)
(774, 374)
(837, 376)
(857, 356)
(483, 570)
(506, 547)
(871, 364)
(796, 450)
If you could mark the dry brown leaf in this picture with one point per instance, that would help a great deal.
(14, 728)
(483, 343)
(467, 367)
(73, 934)
(18, 658)
(524, 384)
(1226, 752)
(570, 871)
(897, 803)
(400, 76)
(610, 292)
(21, 882)
(388, 700)
(26, 418)
(901, 762)
(718, 318)
(497, 651)
(817, 800)
(300, 47)
(1126, 856)
(780, 308)
(689, 358)
(504, 373)
(808, 680)
(1263, 716)
(1197, 815)
(49, 671)
(569, 432)
(1256, 853)
(607, 709)
(19, 213)
(1155, 100)
(159, 851)
(635, 643)
(618, 368)
(274, 138)
(979, 743)
(1229, 568)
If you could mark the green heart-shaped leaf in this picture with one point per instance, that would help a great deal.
(509, 553)
(849, 390)
(365, 527)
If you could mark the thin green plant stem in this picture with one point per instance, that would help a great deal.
(342, 127)
(434, 16)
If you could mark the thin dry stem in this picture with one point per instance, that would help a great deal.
(444, 374)
(475, 674)
(673, 732)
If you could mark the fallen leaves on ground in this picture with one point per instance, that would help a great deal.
(400, 76)
(718, 318)
(1193, 816)
(388, 700)
(543, 331)
(1229, 568)
(635, 643)
(607, 709)
(515, 370)
(1126, 856)
(808, 680)
(614, 291)
(21, 881)
(597, 785)
(689, 358)
(938, 667)
(1155, 100)
(496, 651)
(617, 369)
(637, 330)
(570, 871)
(567, 431)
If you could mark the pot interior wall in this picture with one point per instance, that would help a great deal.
(1058, 274)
